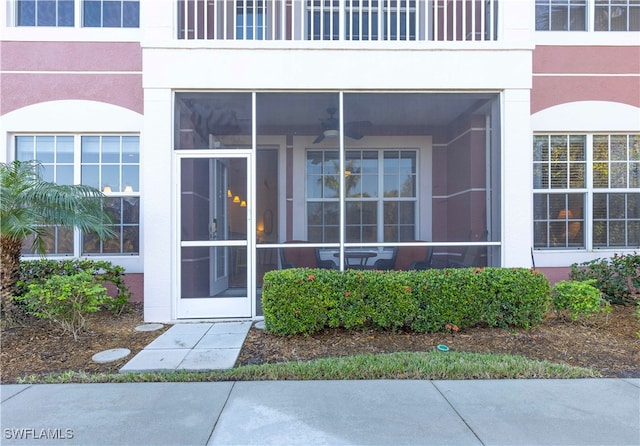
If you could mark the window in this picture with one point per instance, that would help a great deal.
(380, 197)
(617, 15)
(95, 13)
(586, 175)
(56, 154)
(250, 17)
(616, 172)
(111, 14)
(45, 13)
(559, 168)
(323, 192)
(561, 15)
(110, 163)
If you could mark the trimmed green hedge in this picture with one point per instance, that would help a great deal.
(303, 300)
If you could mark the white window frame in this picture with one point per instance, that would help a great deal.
(589, 192)
(612, 189)
(82, 24)
(50, 168)
(565, 190)
(76, 33)
(15, 10)
(380, 199)
(77, 179)
(78, 15)
(124, 192)
(629, 6)
(589, 37)
(568, 4)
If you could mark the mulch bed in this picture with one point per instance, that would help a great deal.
(609, 345)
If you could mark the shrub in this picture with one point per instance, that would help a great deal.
(33, 271)
(499, 297)
(579, 299)
(302, 300)
(447, 297)
(373, 299)
(618, 277)
(517, 297)
(308, 300)
(66, 300)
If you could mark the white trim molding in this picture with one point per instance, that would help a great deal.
(591, 116)
(75, 116)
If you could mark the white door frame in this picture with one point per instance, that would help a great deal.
(238, 306)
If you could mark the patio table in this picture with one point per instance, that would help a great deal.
(357, 258)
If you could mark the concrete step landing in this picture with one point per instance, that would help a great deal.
(193, 347)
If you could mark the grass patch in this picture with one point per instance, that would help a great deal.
(401, 365)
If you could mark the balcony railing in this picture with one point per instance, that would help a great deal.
(338, 20)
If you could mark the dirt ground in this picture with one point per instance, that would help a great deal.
(37, 347)
(609, 345)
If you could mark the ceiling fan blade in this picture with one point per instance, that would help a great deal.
(354, 129)
(318, 139)
(357, 124)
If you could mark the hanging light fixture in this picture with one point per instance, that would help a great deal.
(236, 199)
(229, 194)
(331, 133)
(106, 189)
(243, 204)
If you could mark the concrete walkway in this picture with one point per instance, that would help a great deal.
(192, 346)
(489, 412)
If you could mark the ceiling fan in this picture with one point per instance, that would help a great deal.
(331, 127)
(214, 119)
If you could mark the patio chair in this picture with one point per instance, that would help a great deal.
(406, 258)
(471, 255)
(303, 257)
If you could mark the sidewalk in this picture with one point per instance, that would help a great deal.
(479, 412)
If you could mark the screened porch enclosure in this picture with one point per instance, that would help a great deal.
(347, 180)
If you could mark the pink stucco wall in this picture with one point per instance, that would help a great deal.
(555, 274)
(21, 90)
(71, 56)
(564, 74)
(135, 282)
(35, 72)
(466, 179)
(459, 181)
(587, 59)
(550, 91)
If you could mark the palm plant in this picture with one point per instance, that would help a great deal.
(29, 206)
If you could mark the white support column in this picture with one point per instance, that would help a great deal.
(517, 158)
(158, 186)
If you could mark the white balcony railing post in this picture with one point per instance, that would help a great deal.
(392, 20)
